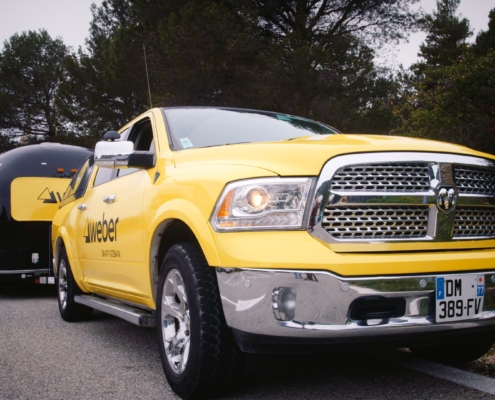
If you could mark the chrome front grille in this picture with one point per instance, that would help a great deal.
(390, 177)
(474, 222)
(474, 180)
(374, 198)
(374, 222)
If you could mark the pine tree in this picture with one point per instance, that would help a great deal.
(446, 37)
(31, 70)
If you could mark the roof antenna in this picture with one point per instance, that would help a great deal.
(147, 76)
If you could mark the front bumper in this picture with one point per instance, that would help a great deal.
(321, 305)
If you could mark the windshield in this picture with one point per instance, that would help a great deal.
(204, 127)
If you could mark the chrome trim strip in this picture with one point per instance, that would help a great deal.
(25, 271)
(322, 303)
(440, 224)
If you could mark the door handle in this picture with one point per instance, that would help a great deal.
(109, 199)
(82, 207)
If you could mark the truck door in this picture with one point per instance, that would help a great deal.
(111, 237)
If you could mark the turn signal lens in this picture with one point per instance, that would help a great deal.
(224, 209)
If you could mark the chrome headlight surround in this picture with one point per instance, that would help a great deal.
(262, 204)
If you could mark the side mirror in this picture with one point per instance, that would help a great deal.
(121, 154)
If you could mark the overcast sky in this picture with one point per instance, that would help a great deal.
(69, 19)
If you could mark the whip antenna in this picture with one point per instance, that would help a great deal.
(147, 76)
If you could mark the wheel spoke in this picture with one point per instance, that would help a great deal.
(180, 292)
(62, 284)
(185, 353)
(171, 309)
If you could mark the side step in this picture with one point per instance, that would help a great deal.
(128, 313)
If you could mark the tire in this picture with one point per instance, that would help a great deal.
(67, 288)
(455, 353)
(198, 351)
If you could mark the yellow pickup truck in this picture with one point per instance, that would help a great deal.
(234, 231)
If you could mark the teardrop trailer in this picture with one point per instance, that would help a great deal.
(32, 181)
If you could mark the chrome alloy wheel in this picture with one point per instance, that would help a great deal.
(62, 283)
(176, 325)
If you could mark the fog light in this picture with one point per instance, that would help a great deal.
(284, 303)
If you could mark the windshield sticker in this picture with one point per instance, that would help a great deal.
(283, 117)
(185, 142)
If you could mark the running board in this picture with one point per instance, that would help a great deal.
(131, 314)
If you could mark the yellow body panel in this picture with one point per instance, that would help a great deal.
(36, 199)
(185, 186)
(300, 251)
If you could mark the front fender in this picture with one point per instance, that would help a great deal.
(63, 241)
(189, 214)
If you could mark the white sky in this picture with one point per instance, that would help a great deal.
(476, 11)
(69, 19)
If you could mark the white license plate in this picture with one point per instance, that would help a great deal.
(459, 297)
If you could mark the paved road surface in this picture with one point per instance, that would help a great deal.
(43, 357)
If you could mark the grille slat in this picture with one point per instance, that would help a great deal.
(375, 222)
(474, 222)
(475, 180)
(384, 177)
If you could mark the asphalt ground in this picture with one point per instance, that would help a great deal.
(43, 357)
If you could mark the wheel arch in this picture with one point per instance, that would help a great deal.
(175, 229)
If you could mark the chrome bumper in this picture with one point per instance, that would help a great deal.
(320, 305)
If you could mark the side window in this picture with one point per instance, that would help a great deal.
(103, 175)
(79, 183)
(142, 136)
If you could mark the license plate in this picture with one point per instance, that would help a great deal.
(459, 297)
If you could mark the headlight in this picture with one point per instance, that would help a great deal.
(265, 203)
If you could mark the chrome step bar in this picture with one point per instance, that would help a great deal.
(131, 314)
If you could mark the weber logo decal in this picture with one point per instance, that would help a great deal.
(101, 231)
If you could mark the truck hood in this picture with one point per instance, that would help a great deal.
(305, 156)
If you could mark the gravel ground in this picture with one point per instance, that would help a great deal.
(484, 366)
(43, 357)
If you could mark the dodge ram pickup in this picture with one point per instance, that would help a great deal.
(234, 231)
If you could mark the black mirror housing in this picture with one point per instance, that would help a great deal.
(142, 160)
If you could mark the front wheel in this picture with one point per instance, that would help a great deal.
(455, 353)
(67, 288)
(198, 351)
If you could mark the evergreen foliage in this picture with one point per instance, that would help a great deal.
(451, 94)
(30, 73)
(313, 58)
(310, 58)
